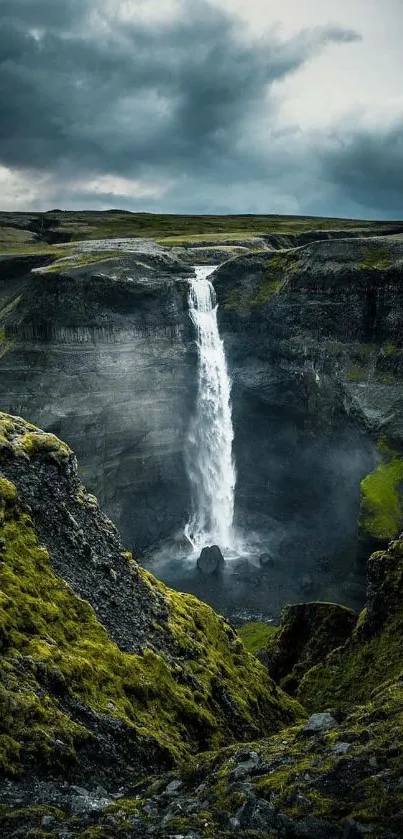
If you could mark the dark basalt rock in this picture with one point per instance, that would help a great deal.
(307, 633)
(211, 560)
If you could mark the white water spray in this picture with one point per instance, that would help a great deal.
(209, 459)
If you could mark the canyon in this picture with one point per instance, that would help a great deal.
(98, 348)
(129, 708)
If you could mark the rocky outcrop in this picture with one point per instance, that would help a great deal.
(307, 633)
(211, 560)
(105, 673)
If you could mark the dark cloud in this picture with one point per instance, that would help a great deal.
(367, 167)
(83, 92)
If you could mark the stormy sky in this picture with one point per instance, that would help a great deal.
(203, 106)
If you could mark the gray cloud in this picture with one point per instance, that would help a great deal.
(180, 99)
(366, 167)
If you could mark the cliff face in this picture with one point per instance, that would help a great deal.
(313, 338)
(99, 348)
(100, 353)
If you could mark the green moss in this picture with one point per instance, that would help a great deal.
(37, 442)
(26, 439)
(307, 633)
(6, 344)
(387, 379)
(81, 259)
(11, 819)
(376, 257)
(382, 503)
(374, 654)
(356, 373)
(50, 636)
(255, 635)
(273, 276)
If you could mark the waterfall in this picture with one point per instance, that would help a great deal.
(209, 459)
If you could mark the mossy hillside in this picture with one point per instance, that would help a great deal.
(382, 495)
(288, 785)
(45, 625)
(307, 633)
(218, 662)
(193, 686)
(373, 653)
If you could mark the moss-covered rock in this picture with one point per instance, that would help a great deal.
(307, 633)
(344, 783)
(190, 684)
(382, 499)
(373, 653)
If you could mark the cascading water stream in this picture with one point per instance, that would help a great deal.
(209, 458)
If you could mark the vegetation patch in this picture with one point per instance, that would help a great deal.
(5, 343)
(255, 635)
(373, 655)
(273, 274)
(80, 260)
(26, 439)
(378, 258)
(382, 501)
(196, 688)
(356, 373)
(23, 233)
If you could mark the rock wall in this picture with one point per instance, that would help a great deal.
(102, 355)
(313, 337)
(101, 351)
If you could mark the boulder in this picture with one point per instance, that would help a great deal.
(211, 560)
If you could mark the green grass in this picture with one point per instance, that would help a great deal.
(211, 238)
(81, 260)
(170, 229)
(255, 635)
(382, 501)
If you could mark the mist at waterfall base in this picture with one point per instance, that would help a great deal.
(269, 561)
(211, 472)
